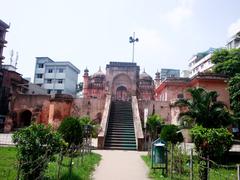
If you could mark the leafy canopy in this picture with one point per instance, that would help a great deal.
(234, 91)
(204, 108)
(212, 142)
(226, 61)
(171, 134)
(71, 131)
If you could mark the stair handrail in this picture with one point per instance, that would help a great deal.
(137, 124)
(104, 122)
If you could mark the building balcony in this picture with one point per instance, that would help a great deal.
(39, 71)
(38, 80)
(60, 76)
(49, 76)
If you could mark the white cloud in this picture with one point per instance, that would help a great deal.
(234, 28)
(179, 14)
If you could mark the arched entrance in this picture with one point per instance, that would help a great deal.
(122, 87)
(121, 93)
(25, 118)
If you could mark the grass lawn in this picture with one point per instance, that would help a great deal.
(8, 163)
(220, 173)
(81, 170)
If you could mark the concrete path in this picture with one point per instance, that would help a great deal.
(6, 139)
(121, 165)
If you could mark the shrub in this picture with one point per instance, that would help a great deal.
(214, 142)
(36, 145)
(71, 131)
(170, 133)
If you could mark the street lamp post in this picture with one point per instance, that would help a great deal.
(132, 40)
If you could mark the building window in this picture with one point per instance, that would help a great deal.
(59, 91)
(60, 70)
(180, 96)
(49, 91)
(49, 81)
(40, 65)
(50, 70)
(60, 81)
(39, 75)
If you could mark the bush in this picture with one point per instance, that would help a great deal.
(71, 131)
(214, 142)
(170, 133)
(36, 145)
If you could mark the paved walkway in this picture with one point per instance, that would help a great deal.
(6, 139)
(121, 165)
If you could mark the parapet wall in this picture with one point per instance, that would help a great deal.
(88, 107)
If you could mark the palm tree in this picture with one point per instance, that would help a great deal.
(154, 123)
(204, 108)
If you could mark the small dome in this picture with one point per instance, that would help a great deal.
(99, 73)
(86, 70)
(145, 76)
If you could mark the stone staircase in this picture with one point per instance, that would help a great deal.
(120, 132)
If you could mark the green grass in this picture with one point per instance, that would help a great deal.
(215, 173)
(8, 163)
(82, 170)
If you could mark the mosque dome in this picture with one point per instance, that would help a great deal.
(99, 73)
(145, 76)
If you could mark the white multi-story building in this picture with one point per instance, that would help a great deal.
(234, 42)
(56, 77)
(200, 62)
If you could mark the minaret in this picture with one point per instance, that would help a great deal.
(157, 79)
(85, 83)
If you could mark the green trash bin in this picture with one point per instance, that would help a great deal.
(159, 152)
(159, 155)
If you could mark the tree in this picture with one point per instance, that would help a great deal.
(71, 131)
(36, 145)
(226, 62)
(170, 133)
(234, 91)
(154, 123)
(205, 109)
(212, 143)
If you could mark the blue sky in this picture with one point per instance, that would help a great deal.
(90, 33)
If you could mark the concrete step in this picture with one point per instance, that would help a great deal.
(121, 148)
(113, 141)
(121, 131)
(123, 126)
(120, 145)
(121, 138)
